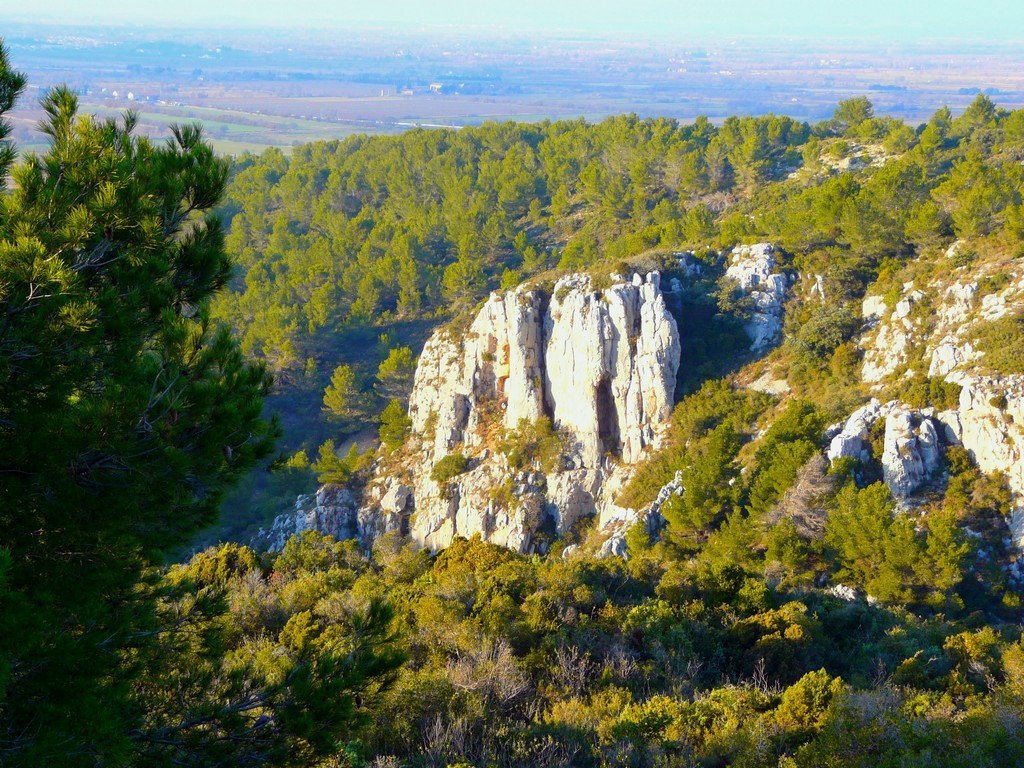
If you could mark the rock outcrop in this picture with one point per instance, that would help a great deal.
(331, 510)
(600, 365)
(754, 270)
(989, 424)
(894, 336)
(590, 372)
(989, 417)
(911, 452)
(850, 439)
(911, 445)
(942, 327)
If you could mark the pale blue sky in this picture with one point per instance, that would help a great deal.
(901, 19)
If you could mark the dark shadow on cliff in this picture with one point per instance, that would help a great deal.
(713, 343)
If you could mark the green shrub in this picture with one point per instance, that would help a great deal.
(449, 467)
(930, 391)
(1002, 342)
(694, 418)
(534, 442)
(826, 329)
(807, 704)
(962, 257)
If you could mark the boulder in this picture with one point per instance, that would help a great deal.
(850, 439)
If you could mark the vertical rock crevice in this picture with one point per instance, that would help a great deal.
(607, 417)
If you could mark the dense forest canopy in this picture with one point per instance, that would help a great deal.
(127, 411)
(391, 228)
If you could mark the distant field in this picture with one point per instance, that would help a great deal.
(231, 132)
(257, 89)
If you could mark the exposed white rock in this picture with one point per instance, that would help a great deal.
(753, 269)
(392, 511)
(610, 364)
(330, 511)
(688, 263)
(952, 429)
(958, 302)
(501, 356)
(989, 419)
(950, 354)
(600, 364)
(954, 248)
(818, 287)
(851, 438)
(843, 592)
(873, 308)
(911, 451)
(944, 331)
(994, 306)
(572, 495)
(770, 385)
(614, 545)
(912, 447)
(989, 423)
(887, 350)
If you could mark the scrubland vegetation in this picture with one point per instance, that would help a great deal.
(739, 634)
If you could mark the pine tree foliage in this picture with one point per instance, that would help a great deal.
(125, 412)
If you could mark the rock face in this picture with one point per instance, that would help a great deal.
(989, 424)
(942, 326)
(331, 510)
(894, 336)
(615, 521)
(912, 451)
(850, 439)
(912, 448)
(600, 364)
(989, 418)
(753, 269)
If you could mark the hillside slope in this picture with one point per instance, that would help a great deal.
(756, 505)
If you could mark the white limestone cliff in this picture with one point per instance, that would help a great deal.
(911, 452)
(600, 364)
(988, 420)
(989, 424)
(911, 445)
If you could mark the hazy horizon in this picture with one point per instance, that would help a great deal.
(996, 20)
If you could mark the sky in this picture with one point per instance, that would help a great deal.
(892, 19)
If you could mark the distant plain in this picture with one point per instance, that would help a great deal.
(256, 89)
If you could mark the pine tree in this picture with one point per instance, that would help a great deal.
(124, 415)
(343, 397)
(395, 374)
